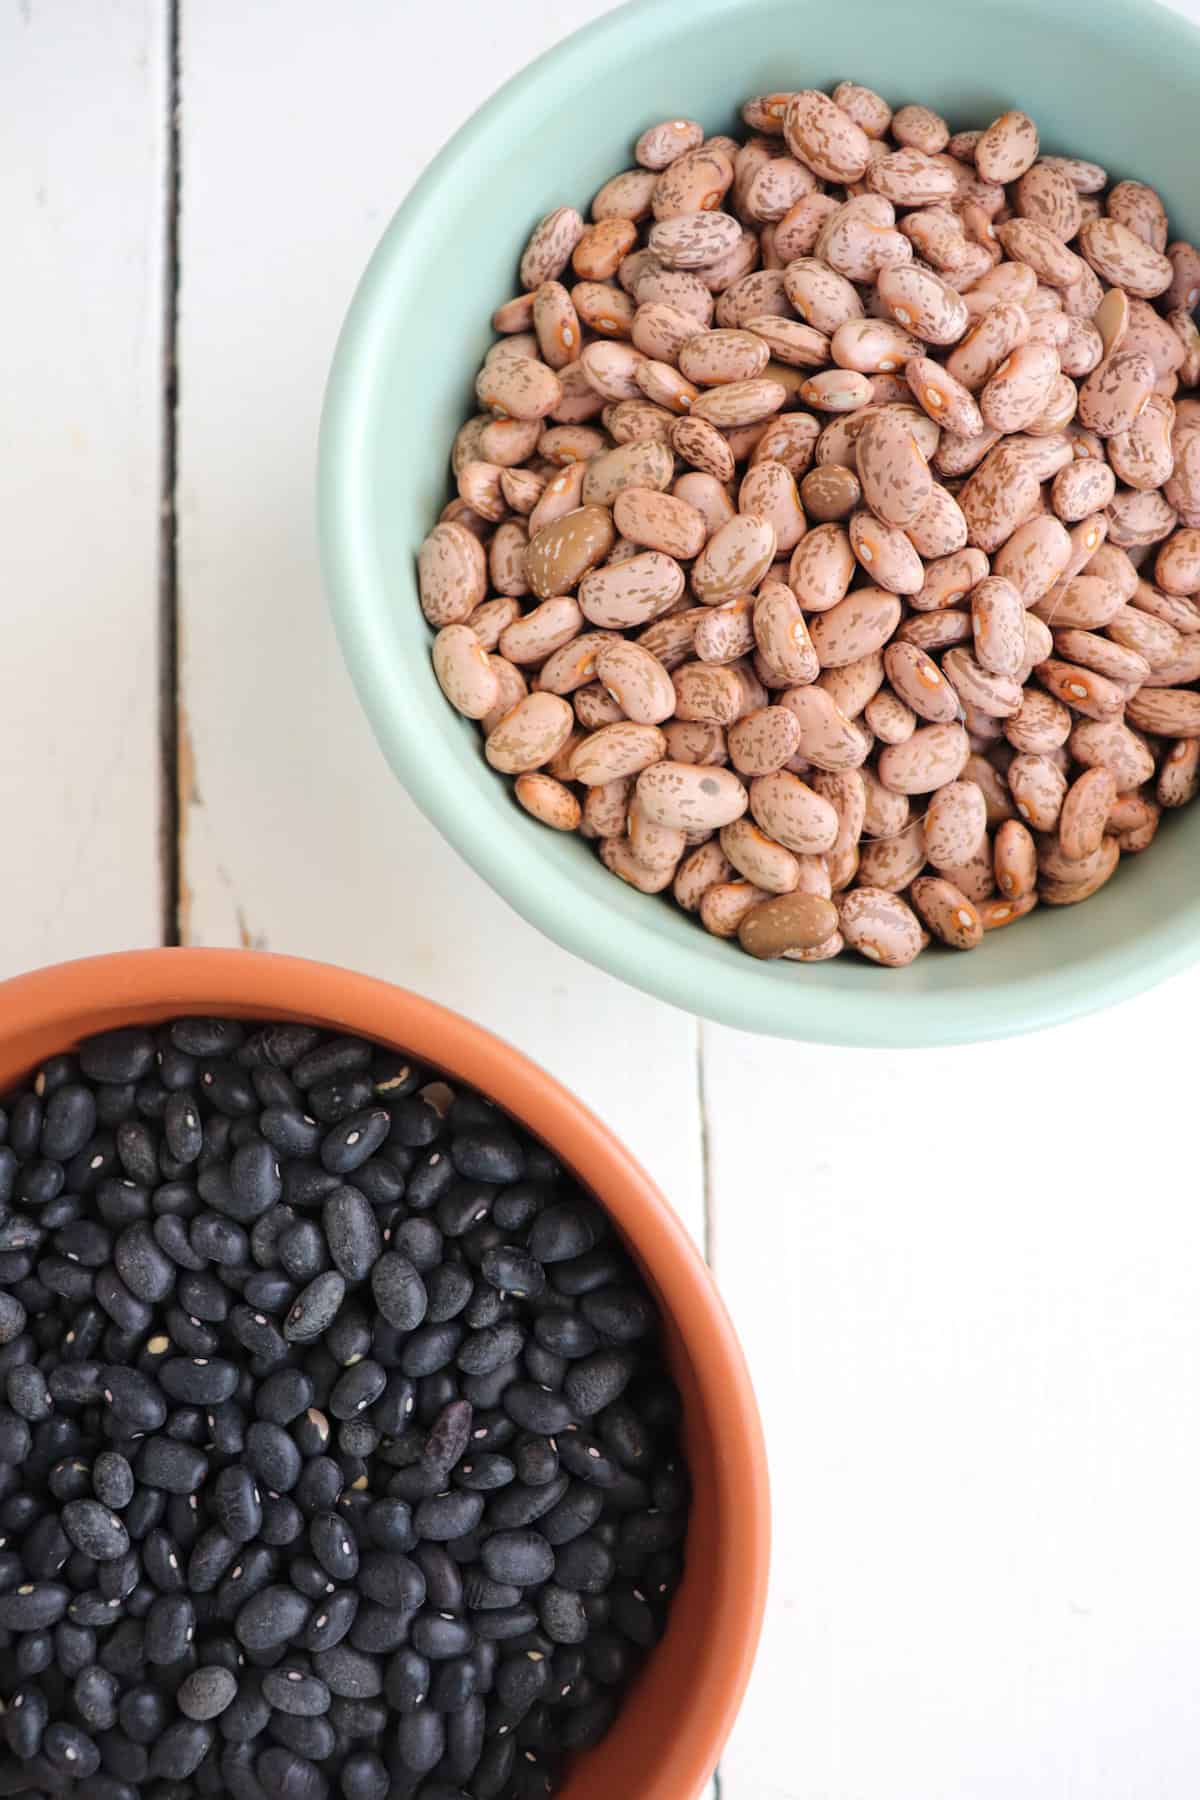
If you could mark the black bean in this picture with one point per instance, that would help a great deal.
(449, 1287)
(95, 1530)
(488, 1152)
(255, 1180)
(621, 1314)
(293, 1690)
(247, 1714)
(271, 1618)
(311, 1736)
(587, 1273)
(198, 1381)
(176, 1468)
(352, 1233)
(399, 1291)
(315, 1309)
(68, 1121)
(535, 1409)
(289, 1130)
(286, 1776)
(181, 1749)
(513, 1271)
(117, 1057)
(206, 1692)
(364, 1777)
(278, 1046)
(33, 1606)
(430, 1348)
(485, 1472)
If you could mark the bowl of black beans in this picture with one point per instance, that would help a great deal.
(369, 1426)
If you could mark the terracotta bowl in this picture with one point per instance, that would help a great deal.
(676, 1719)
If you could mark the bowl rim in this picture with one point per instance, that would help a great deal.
(53, 1006)
(754, 998)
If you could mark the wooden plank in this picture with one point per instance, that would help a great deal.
(969, 1285)
(296, 835)
(83, 163)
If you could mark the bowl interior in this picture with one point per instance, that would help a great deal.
(1118, 83)
(698, 1673)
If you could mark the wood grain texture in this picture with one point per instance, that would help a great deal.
(295, 833)
(969, 1285)
(83, 146)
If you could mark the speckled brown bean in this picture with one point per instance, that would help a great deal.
(691, 797)
(920, 683)
(1114, 394)
(658, 521)
(631, 592)
(1091, 651)
(1081, 689)
(924, 304)
(791, 921)
(464, 672)
(549, 801)
(887, 554)
(757, 858)
(703, 446)
(1121, 258)
(707, 691)
(981, 692)
(936, 631)
(616, 750)
(642, 464)
(561, 553)
(1083, 487)
(947, 912)
(530, 735)
(1007, 148)
(888, 718)
(605, 808)
(603, 308)
(1085, 810)
(894, 474)
(997, 498)
(880, 927)
(949, 579)
(517, 387)
(998, 625)
(693, 239)
(792, 813)
(1177, 566)
(1014, 856)
(452, 574)
(1167, 712)
(535, 636)
(858, 625)
(764, 740)
(825, 138)
(932, 757)
(829, 739)
(939, 529)
(1055, 892)
(995, 914)
(636, 680)
(740, 403)
(1034, 558)
(705, 867)
(695, 741)
(1046, 194)
(695, 182)
(724, 906)
(830, 494)
(768, 490)
(1179, 774)
(550, 245)
(734, 560)
(955, 824)
(726, 632)
(1018, 392)
(997, 334)
(1038, 787)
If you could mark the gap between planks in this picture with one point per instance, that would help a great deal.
(172, 800)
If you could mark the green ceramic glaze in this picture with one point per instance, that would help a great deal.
(1118, 82)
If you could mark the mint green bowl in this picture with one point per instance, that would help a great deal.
(1118, 82)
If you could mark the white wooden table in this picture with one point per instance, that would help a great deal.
(968, 1282)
